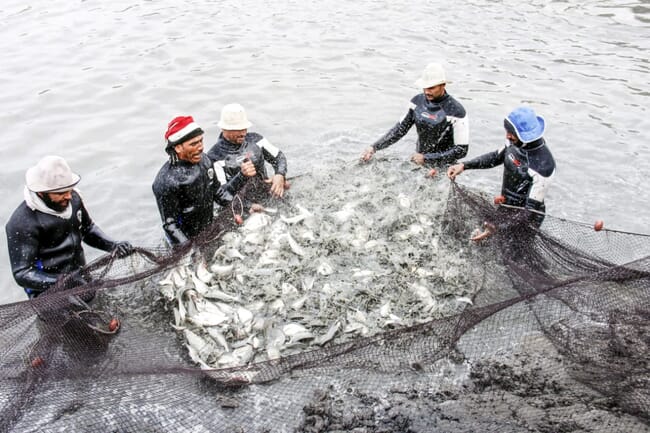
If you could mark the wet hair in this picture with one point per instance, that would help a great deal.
(173, 156)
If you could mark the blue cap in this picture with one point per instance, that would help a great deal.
(528, 126)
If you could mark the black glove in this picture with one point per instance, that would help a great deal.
(122, 249)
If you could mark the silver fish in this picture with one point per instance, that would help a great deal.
(218, 336)
(202, 273)
(275, 339)
(202, 347)
(222, 270)
(296, 332)
(329, 335)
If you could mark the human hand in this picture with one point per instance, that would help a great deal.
(455, 170)
(488, 230)
(418, 158)
(367, 154)
(256, 207)
(277, 185)
(248, 168)
(122, 249)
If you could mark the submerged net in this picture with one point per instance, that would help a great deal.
(358, 305)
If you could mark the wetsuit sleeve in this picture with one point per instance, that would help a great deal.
(450, 155)
(96, 238)
(459, 127)
(225, 193)
(92, 235)
(398, 131)
(487, 160)
(169, 209)
(23, 251)
(273, 156)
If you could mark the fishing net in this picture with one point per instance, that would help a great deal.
(357, 303)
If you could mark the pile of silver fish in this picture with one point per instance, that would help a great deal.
(350, 252)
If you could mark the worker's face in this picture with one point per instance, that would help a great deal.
(57, 201)
(512, 139)
(434, 92)
(235, 136)
(190, 150)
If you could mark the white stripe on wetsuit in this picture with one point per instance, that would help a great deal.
(219, 171)
(461, 129)
(270, 148)
(540, 184)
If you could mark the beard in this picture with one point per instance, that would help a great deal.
(56, 206)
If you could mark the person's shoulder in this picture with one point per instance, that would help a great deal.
(453, 107)
(543, 152)
(214, 152)
(220, 143)
(19, 214)
(219, 150)
(164, 178)
(77, 200)
(76, 196)
(253, 138)
(165, 168)
(418, 99)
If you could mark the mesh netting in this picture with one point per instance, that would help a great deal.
(529, 330)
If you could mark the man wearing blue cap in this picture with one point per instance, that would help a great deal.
(528, 164)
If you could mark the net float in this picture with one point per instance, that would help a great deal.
(113, 324)
(499, 199)
(239, 220)
(432, 173)
(598, 225)
(37, 362)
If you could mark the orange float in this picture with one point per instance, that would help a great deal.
(598, 225)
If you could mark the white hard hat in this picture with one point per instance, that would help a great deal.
(51, 174)
(432, 75)
(233, 118)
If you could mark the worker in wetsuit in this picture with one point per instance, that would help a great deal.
(528, 164)
(45, 232)
(186, 186)
(440, 120)
(235, 144)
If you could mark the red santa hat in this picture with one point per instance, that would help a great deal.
(181, 129)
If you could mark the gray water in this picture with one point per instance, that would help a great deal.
(97, 82)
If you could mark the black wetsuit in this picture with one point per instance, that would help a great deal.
(442, 127)
(527, 171)
(42, 247)
(228, 156)
(185, 193)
